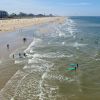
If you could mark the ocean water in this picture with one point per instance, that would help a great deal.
(54, 47)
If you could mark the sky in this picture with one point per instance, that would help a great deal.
(56, 7)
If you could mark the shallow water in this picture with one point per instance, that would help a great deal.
(44, 76)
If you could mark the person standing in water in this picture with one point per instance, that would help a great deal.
(24, 54)
(19, 55)
(77, 66)
(13, 56)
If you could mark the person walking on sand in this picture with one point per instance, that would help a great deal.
(24, 40)
(13, 56)
(7, 46)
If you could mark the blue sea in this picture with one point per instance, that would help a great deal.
(45, 74)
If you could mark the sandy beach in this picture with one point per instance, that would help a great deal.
(46, 73)
(7, 66)
(49, 50)
(14, 24)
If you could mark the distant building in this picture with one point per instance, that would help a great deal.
(3, 14)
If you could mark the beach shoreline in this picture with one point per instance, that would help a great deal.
(9, 25)
(9, 68)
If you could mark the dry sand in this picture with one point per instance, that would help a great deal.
(14, 24)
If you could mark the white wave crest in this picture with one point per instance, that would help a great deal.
(76, 44)
(35, 42)
(51, 55)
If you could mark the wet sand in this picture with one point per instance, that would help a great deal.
(7, 66)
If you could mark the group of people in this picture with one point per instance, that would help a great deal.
(20, 55)
(73, 67)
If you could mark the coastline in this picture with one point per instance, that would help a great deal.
(8, 68)
(14, 24)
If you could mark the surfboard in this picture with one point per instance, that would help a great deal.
(73, 64)
(70, 68)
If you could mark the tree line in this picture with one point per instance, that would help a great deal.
(25, 15)
(4, 14)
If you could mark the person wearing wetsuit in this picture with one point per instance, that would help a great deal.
(77, 66)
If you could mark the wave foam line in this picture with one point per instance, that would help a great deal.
(18, 86)
(11, 84)
(34, 43)
(51, 55)
(41, 82)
